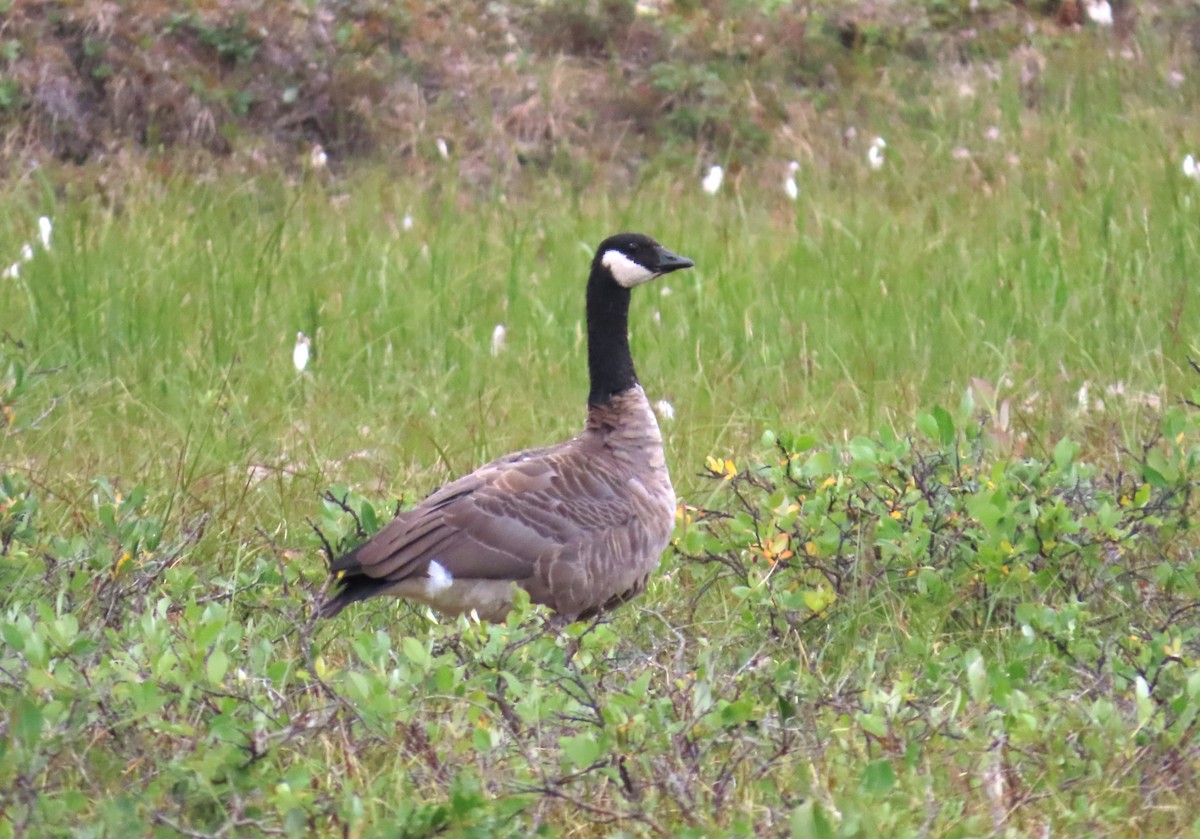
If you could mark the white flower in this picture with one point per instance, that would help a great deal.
(407, 222)
(789, 182)
(1099, 12)
(12, 272)
(442, 149)
(875, 153)
(45, 228)
(317, 157)
(301, 351)
(498, 336)
(26, 252)
(665, 410)
(1190, 168)
(712, 181)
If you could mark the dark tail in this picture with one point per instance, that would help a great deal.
(350, 585)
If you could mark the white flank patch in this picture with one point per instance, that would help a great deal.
(439, 578)
(625, 271)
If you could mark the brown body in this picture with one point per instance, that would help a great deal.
(580, 526)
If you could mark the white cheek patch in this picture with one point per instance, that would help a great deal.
(625, 271)
(439, 578)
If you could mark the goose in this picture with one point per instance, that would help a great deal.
(579, 525)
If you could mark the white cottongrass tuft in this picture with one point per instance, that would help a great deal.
(498, 336)
(1099, 12)
(45, 229)
(300, 352)
(407, 221)
(665, 410)
(317, 157)
(790, 187)
(1083, 399)
(712, 181)
(443, 150)
(1190, 168)
(875, 153)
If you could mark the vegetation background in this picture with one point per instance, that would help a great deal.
(935, 427)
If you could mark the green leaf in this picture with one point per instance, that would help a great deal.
(580, 749)
(28, 721)
(1153, 477)
(863, 449)
(12, 636)
(819, 599)
(873, 724)
(415, 652)
(1142, 496)
(105, 514)
(928, 426)
(366, 515)
(1065, 453)
(803, 442)
(945, 425)
(810, 822)
(218, 664)
(878, 777)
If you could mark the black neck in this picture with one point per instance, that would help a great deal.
(610, 364)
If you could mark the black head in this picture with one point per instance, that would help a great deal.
(632, 259)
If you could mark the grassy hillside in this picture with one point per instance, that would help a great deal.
(935, 438)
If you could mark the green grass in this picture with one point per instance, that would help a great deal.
(159, 672)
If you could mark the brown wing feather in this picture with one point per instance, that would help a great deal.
(498, 522)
